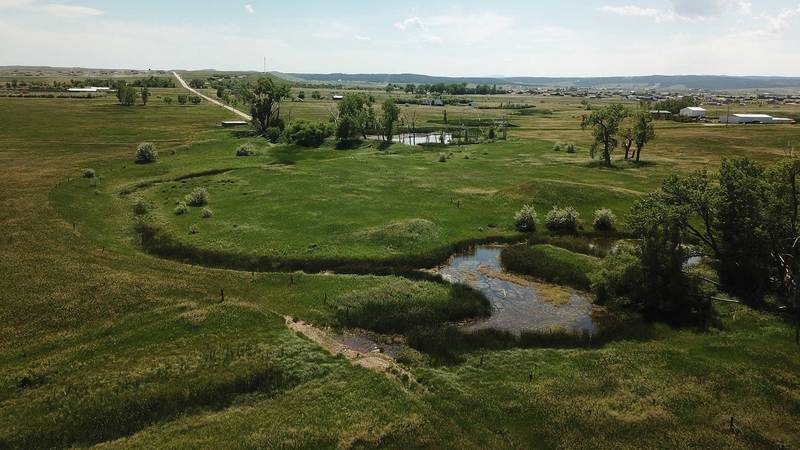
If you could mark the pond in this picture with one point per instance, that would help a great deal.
(418, 138)
(518, 304)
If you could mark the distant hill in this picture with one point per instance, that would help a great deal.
(708, 82)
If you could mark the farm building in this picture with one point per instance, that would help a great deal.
(89, 89)
(338, 97)
(660, 114)
(693, 112)
(753, 118)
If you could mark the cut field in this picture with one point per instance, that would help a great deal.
(103, 344)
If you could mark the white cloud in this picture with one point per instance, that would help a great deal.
(249, 8)
(9, 4)
(631, 10)
(688, 10)
(71, 11)
(705, 9)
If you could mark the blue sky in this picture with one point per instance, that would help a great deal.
(471, 38)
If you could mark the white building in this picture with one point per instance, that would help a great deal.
(694, 112)
(753, 118)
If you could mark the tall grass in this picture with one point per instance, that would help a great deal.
(552, 264)
(400, 305)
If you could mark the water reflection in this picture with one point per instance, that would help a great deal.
(517, 305)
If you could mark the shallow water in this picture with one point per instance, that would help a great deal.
(515, 307)
(419, 138)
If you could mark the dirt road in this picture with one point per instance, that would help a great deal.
(214, 101)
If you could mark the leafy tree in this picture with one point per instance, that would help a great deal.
(183, 98)
(388, 119)
(301, 95)
(221, 92)
(643, 131)
(410, 88)
(605, 123)
(197, 84)
(126, 95)
(145, 93)
(167, 100)
(195, 100)
(355, 117)
(265, 99)
(627, 140)
(665, 291)
(744, 238)
(316, 95)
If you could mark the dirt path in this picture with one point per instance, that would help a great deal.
(377, 362)
(209, 99)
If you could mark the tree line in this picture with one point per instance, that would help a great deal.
(745, 218)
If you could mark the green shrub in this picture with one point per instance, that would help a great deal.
(618, 277)
(140, 206)
(442, 157)
(198, 197)
(206, 213)
(193, 229)
(146, 153)
(401, 304)
(181, 209)
(570, 148)
(307, 134)
(551, 264)
(88, 173)
(195, 100)
(563, 220)
(557, 147)
(604, 220)
(246, 150)
(525, 219)
(273, 134)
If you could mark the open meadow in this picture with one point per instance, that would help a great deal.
(126, 325)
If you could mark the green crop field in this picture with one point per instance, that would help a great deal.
(118, 339)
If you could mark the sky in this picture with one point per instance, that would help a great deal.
(568, 38)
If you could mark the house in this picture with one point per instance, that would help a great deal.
(754, 118)
(694, 112)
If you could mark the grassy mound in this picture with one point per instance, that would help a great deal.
(552, 264)
(402, 232)
(401, 304)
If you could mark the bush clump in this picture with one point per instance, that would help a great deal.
(88, 173)
(206, 213)
(563, 220)
(198, 197)
(570, 148)
(193, 229)
(140, 207)
(604, 220)
(246, 150)
(307, 134)
(558, 146)
(403, 304)
(273, 134)
(552, 264)
(181, 209)
(146, 153)
(442, 157)
(525, 219)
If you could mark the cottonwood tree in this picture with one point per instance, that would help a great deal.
(354, 117)
(145, 94)
(628, 137)
(643, 132)
(265, 100)
(388, 119)
(605, 123)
